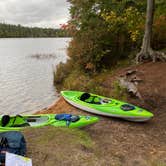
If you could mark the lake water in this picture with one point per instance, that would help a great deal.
(26, 82)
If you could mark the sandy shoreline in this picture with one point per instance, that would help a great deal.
(60, 106)
(116, 141)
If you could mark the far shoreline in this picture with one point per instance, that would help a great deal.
(30, 37)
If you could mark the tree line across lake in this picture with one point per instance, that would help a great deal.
(8, 30)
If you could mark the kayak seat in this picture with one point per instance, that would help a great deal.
(19, 121)
(86, 97)
(5, 120)
(16, 121)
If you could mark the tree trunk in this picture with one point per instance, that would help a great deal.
(146, 52)
(146, 45)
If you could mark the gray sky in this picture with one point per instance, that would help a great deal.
(42, 13)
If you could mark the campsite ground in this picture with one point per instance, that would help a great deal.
(111, 141)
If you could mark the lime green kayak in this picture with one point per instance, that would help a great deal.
(106, 106)
(18, 122)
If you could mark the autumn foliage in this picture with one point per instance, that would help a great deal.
(105, 32)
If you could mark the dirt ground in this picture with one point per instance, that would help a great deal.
(115, 142)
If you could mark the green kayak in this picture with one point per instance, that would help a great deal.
(18, 122)
(106, 106)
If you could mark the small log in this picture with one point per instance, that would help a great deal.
(130, 72)
(130, 80)
(130, 86)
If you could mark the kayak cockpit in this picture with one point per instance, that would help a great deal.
(92, 99)
(22, 121)
(36, 120)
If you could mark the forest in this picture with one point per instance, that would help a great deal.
(9, 30)
(106, 34)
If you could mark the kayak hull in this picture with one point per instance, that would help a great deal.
(91, 110)
(107, 109)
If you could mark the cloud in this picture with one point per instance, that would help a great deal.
(47, 13)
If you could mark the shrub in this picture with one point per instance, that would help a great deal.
(61, 72)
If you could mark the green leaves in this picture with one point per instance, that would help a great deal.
(105, 31)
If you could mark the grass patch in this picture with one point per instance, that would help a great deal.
(62, 146)
(69, 77)
(48, 134)
(157, 163)
(97, 84)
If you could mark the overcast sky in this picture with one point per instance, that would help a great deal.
(41, 13)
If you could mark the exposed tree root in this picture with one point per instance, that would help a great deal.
(150, 55)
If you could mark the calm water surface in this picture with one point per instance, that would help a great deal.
(26, 82)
